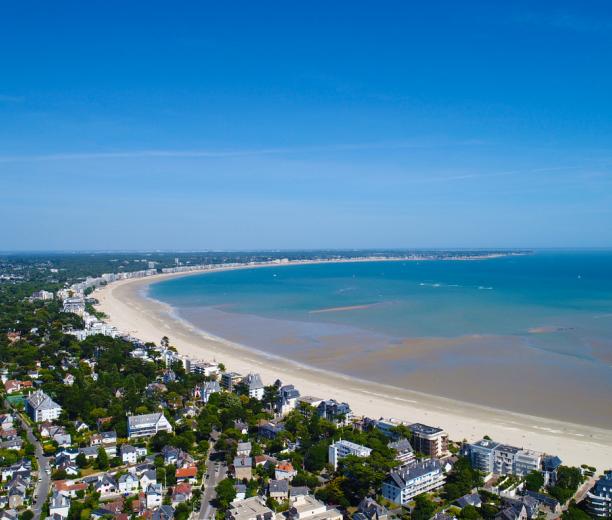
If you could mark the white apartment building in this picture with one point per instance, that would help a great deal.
(340, 449)
(492, 457)
(406, 482)
(147, 425)
(40, 407)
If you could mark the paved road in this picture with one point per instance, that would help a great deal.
(215, 473)
(43, 485)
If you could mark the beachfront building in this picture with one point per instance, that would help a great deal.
(40, 407)
(335, 412)
(406, 482)
(147, 425)
(229, 380)
(76, 305)
(493, 457)
(403, 449)
(387, 426)
(340, 449)
(287, 399)
(599, 498)
(205, 368)
(429, 440)
(254, 385)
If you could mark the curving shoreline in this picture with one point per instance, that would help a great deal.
(130, 311)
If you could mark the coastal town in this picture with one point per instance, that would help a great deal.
(97, 423)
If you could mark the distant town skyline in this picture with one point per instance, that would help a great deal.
(276, 126)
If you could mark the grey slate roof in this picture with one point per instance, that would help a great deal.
(278, 486)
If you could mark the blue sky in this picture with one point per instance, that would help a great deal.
(143, 125)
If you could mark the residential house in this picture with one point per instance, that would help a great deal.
(154, 495)
(103, 438)
(13, 386)
(147, 425)
(17, 492)
(284, 471)
(22, 468)
(278, 489)
(128, 483)
(148, 478)
(243, 449)
(163, 512)
(241, 426)
(106, 486)
(287, 399)
(406, 482)
(181, 493)
(340, 449)
(129, 455)
(69, 488)
(270, 429)
(243, 468)
(59, 505)
(471, 499)
(372, 510)
(187, 474)
(203, 391)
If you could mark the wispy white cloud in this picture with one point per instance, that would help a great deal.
(216, 153)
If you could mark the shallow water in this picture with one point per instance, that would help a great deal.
(532, 334)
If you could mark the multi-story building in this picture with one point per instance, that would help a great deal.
(406, 482)
(340, 449)
(147, 425)
(253, 508)
(403, 449)
(599, 498)
(75, 305)
(203, 367)
(429, 440)
(492, 457)
(40, 407)
(387, 426)
(255, 386)
(308, 507)
(333, 411)
(287, 399)
(229, 380)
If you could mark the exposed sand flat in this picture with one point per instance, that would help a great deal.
(346, 308)
(150, 320)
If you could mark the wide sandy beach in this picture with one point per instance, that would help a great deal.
(131, 312)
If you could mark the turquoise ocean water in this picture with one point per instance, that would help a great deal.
(530, 333)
